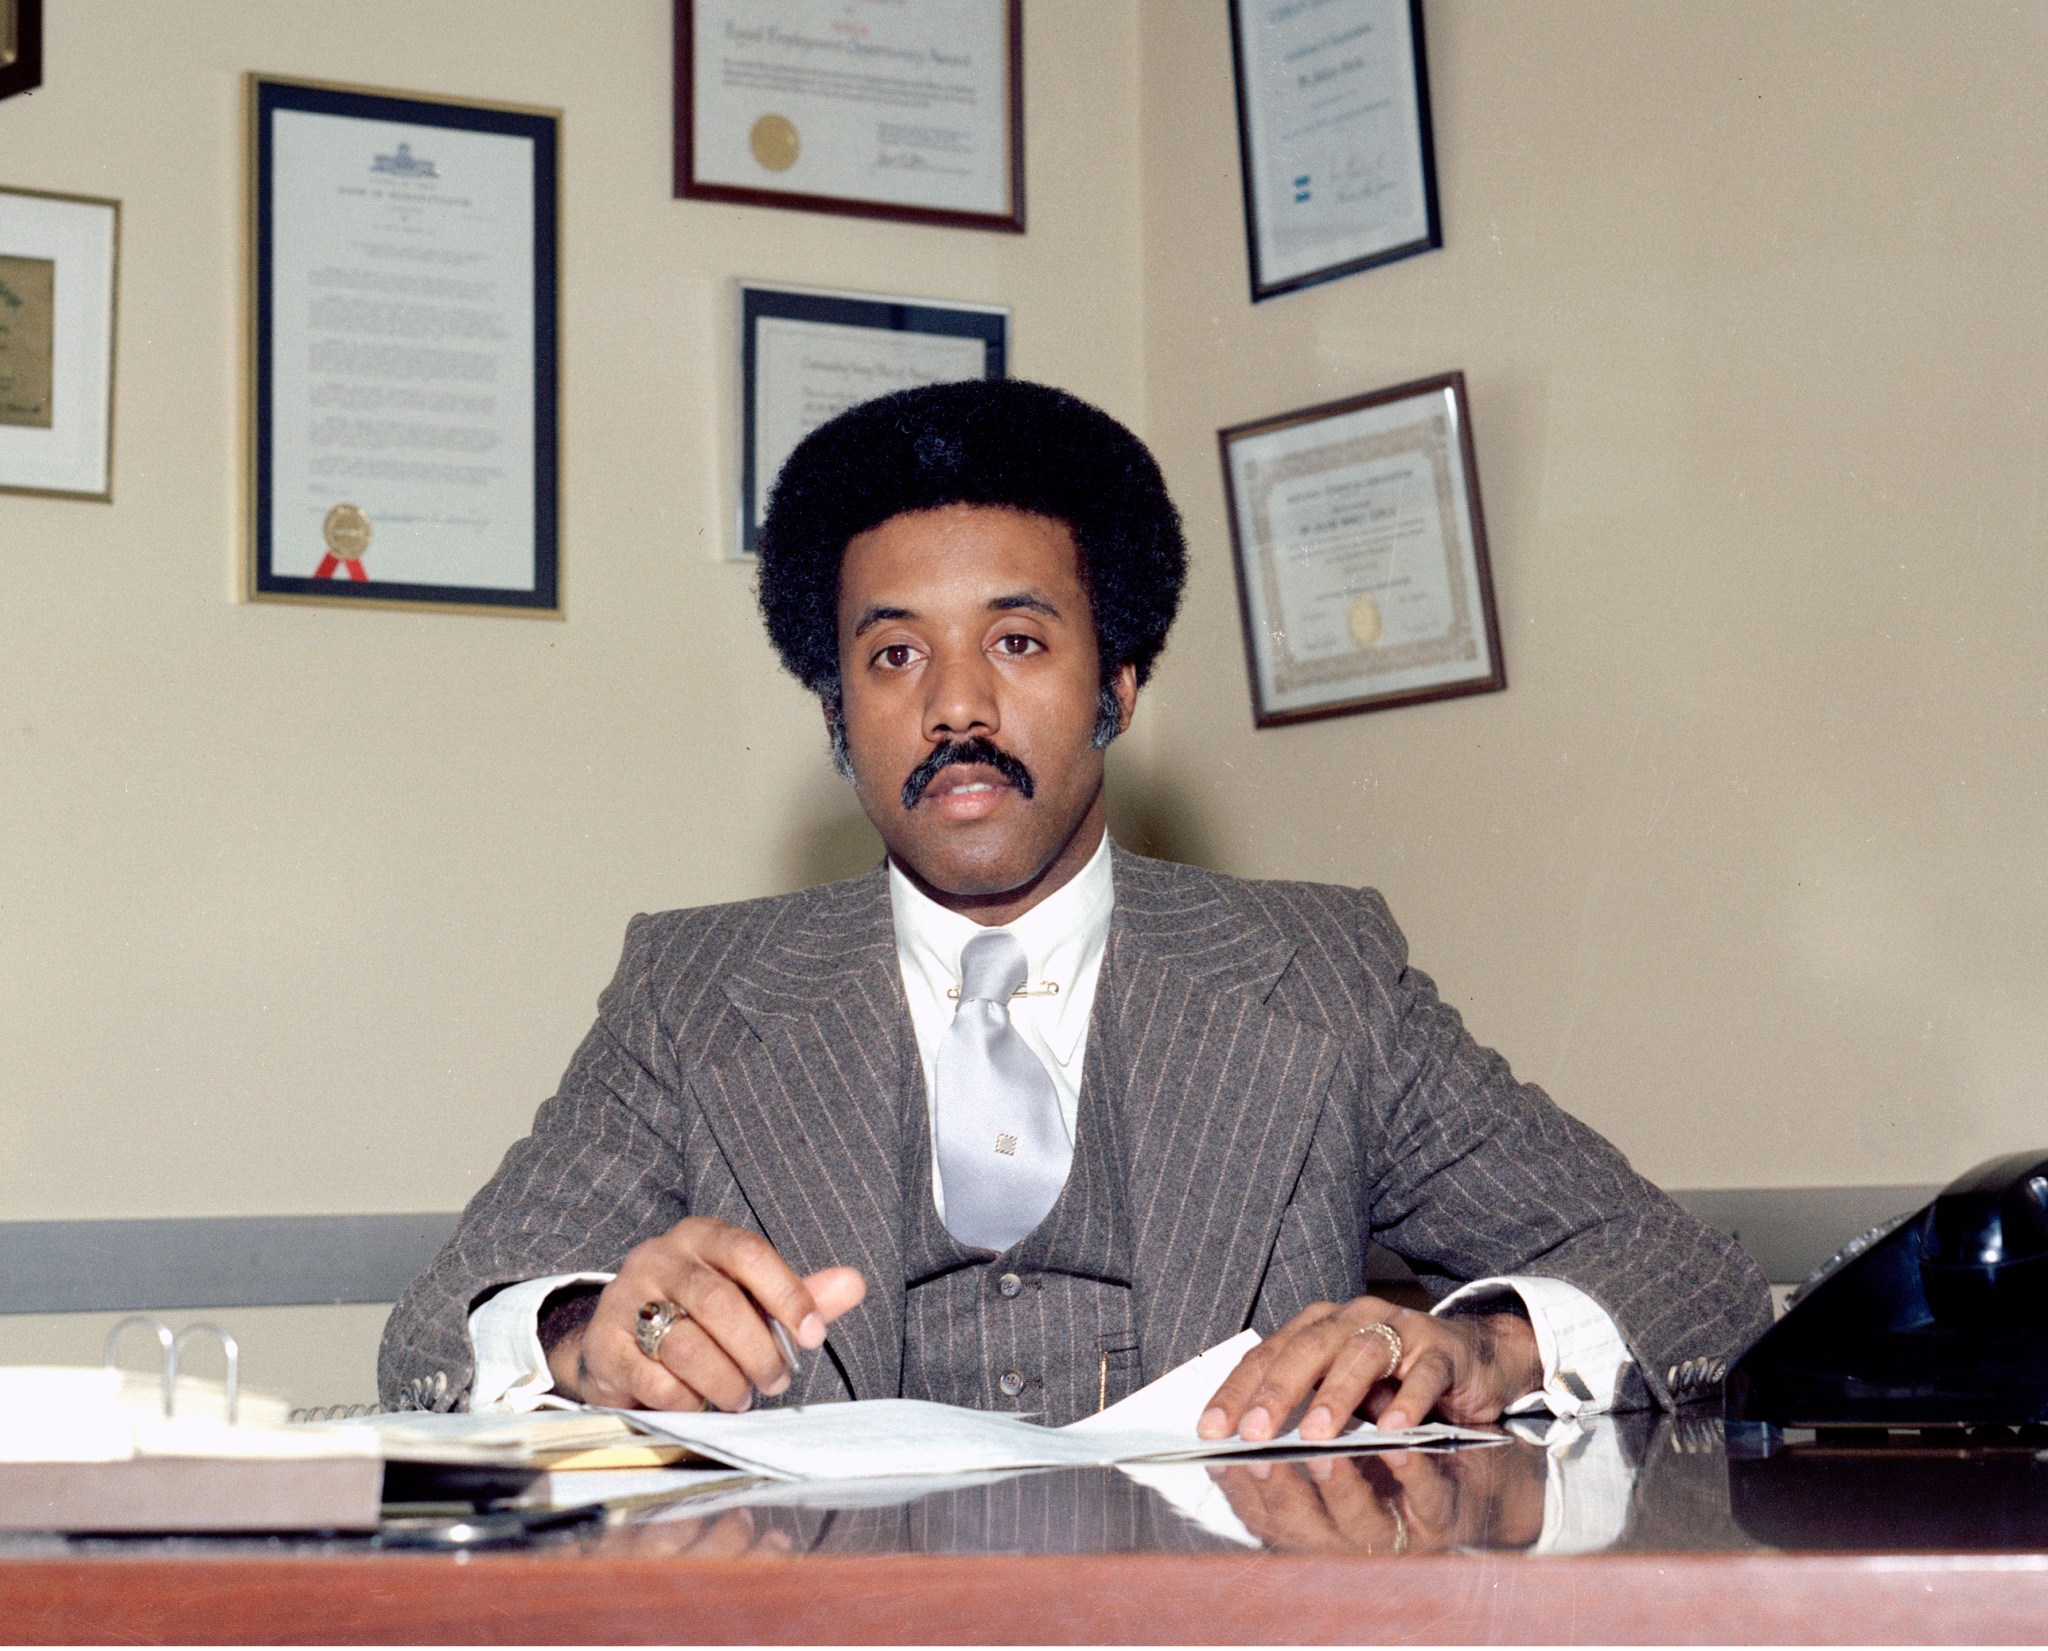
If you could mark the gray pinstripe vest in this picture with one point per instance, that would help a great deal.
(1053, 1314)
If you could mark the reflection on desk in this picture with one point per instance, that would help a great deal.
(1561, 1489)
(1447, 1546)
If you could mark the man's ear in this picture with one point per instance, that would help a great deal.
(1123, 683)
(1114, 705)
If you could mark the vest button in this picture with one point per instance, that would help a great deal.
(1012, 1384)
(1009, 1285)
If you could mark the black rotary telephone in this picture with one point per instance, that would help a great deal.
(1937, 1320)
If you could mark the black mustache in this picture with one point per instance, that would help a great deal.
(978, 751)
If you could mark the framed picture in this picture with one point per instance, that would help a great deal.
(1333, 135)
(58, 268)
(402, 350)
(807, 356)
(913, 109)
(1362, 574)
(21, 46)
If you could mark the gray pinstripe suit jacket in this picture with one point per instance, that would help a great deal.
(1286, 1086)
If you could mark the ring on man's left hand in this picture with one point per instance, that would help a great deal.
(1388, 1334)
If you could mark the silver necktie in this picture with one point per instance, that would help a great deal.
(1003, 1150)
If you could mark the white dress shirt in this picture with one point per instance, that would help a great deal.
(1064, 937)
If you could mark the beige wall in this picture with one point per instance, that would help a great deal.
(1748, 864)
(302, 911)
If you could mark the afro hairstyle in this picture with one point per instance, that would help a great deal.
(1001, 442)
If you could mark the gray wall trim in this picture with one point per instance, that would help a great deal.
(213, 1261)
(307, 1260)
(1792, 1230)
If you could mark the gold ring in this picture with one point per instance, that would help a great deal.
(1388, 1334)
(654, 1320)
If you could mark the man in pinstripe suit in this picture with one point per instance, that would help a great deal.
(1238, 1083)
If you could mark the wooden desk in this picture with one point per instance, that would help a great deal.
(1087, 1556)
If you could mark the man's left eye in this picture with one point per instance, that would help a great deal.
(1018, 643)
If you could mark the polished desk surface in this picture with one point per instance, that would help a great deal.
(1635, 1529)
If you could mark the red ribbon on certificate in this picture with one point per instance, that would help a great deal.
(330, 562)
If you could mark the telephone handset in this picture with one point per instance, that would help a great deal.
(1938, 1319)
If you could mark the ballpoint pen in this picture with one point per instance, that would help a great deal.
(787, 1344)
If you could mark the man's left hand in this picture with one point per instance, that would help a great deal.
(1466, 1370)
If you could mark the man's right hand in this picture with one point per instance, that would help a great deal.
(724, 1278)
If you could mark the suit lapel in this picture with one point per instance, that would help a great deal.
(1218, 1100)
(810, 1118)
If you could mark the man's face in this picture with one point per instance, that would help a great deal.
(967, 627)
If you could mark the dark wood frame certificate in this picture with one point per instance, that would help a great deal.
(1333, 137)
(806, 356)
(21, 46)
(1362, 573)
(59, 283)
(403, 371)
(914, 110)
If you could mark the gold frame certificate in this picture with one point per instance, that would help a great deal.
(58, 263)
(403, 344)
(911, 109)
(1362, 572)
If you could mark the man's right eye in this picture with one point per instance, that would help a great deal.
(896, 656)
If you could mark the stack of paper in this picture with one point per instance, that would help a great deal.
(533, 1439)
(879, 1438)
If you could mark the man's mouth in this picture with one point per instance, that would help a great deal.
(965, 793)
(975, 770)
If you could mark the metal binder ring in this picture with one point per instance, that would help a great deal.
(654, 1321)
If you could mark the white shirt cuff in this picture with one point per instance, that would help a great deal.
(1583, 1353)
(511, 1365)
(1587, 1485)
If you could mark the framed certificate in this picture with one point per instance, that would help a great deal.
(1333, 135)
(21, 46)
(911, 109)
(1362, 574)
(402, 350)
(807, 356)
(58, 257)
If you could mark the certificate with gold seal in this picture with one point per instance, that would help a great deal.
(402, 374)
(884, 108)
(1362, 570)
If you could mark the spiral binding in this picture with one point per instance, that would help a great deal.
(421, 1393)
(336, 1412)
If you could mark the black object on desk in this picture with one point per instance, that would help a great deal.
(1938, 1321)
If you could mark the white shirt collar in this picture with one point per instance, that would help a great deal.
(1063, 937)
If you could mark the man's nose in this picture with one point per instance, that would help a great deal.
(960, 699)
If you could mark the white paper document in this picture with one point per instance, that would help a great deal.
(883, 1438)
